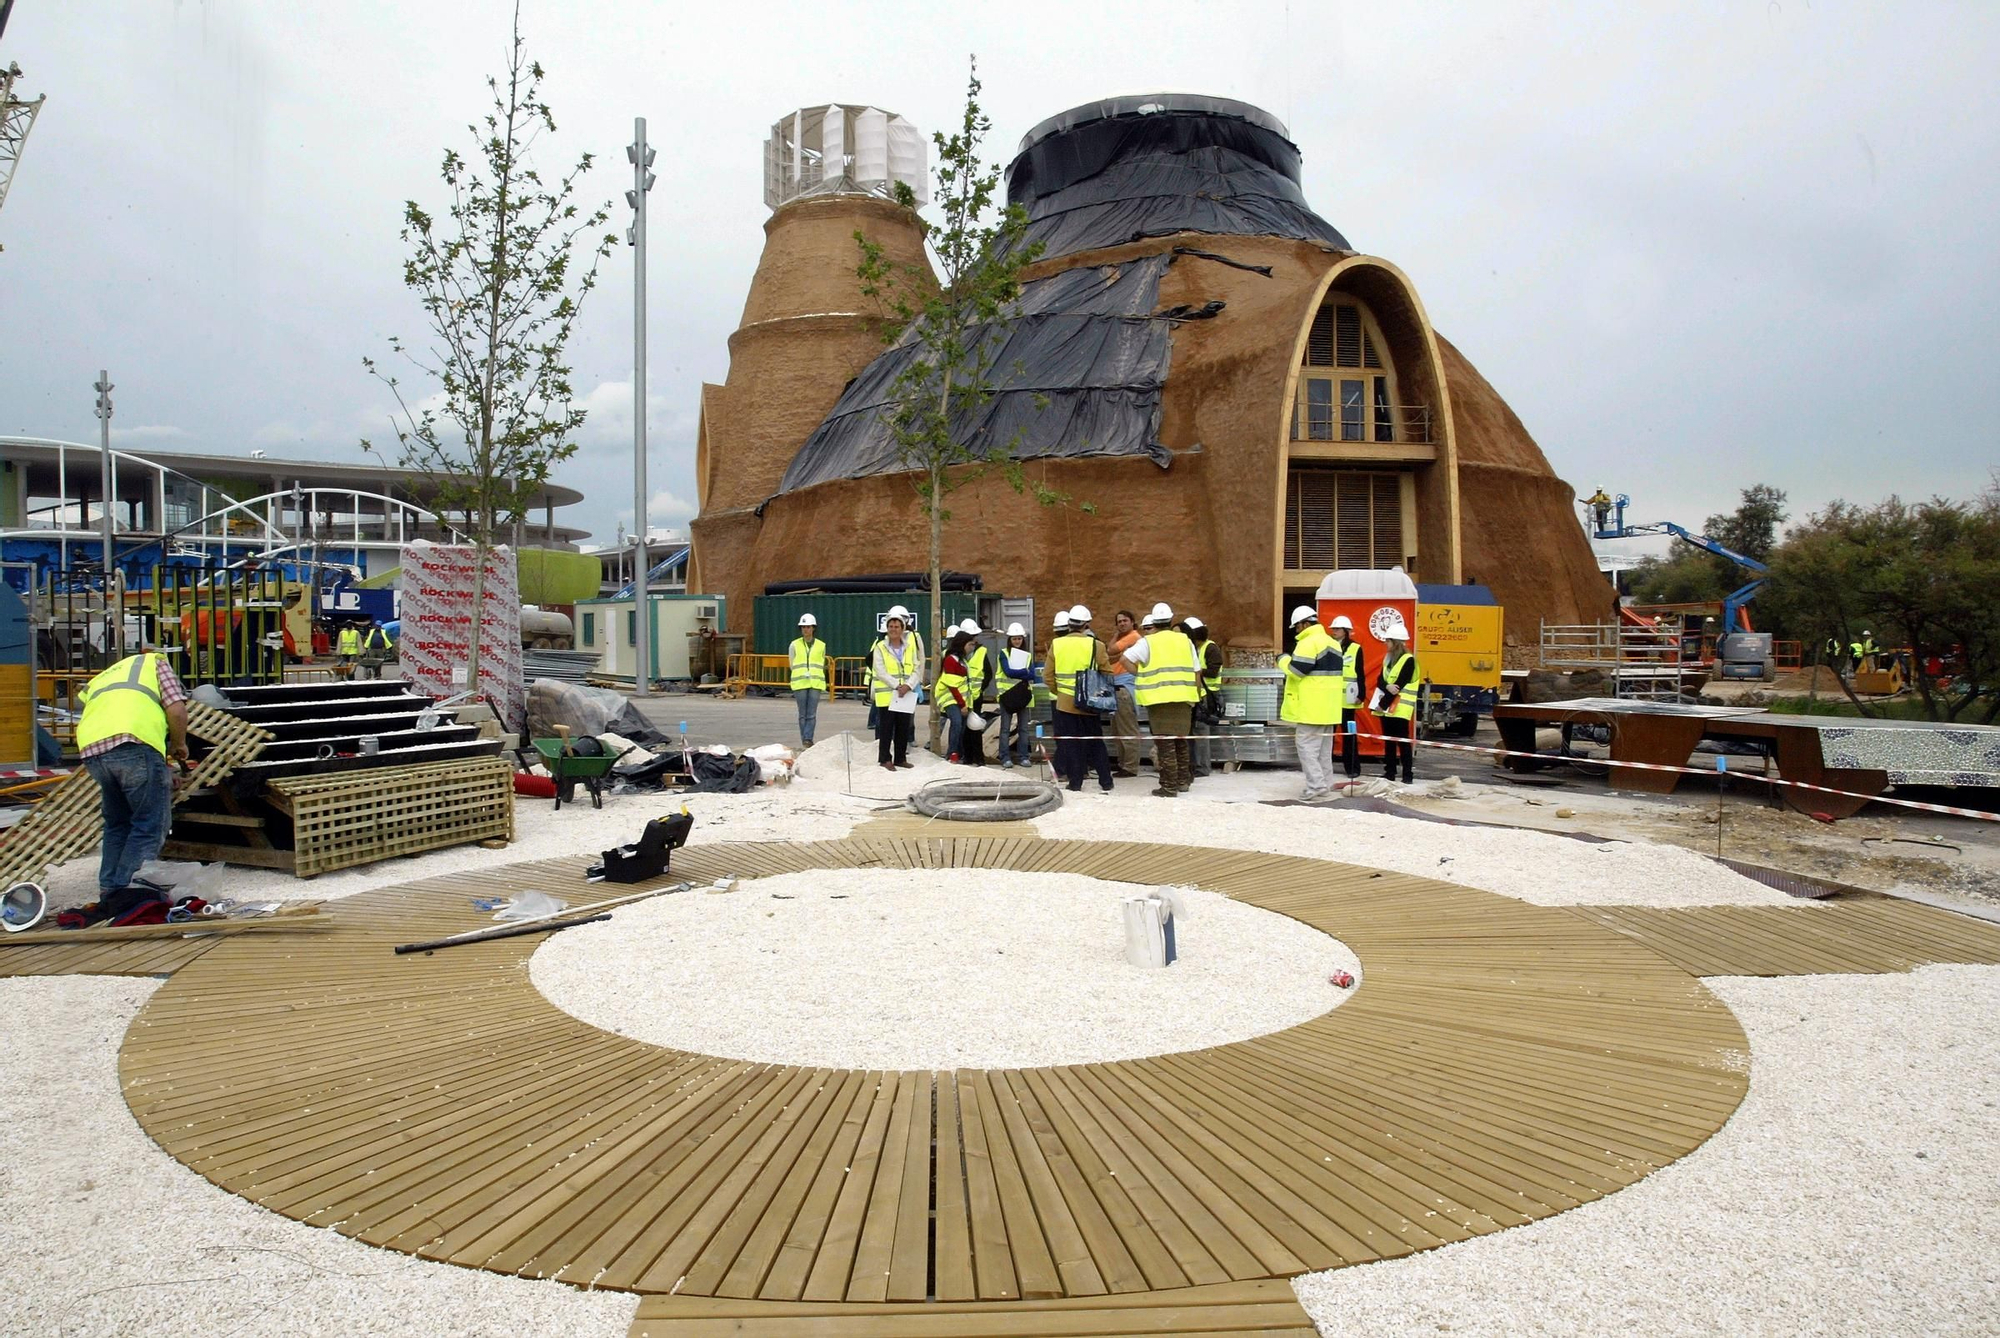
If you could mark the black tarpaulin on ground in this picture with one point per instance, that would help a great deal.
(1116, 171)
(1082, 369)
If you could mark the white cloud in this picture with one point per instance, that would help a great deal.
(668, 508)
(149, 432)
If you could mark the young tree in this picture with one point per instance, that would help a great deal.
(1924, 575)
(955, 323)
(500, 277)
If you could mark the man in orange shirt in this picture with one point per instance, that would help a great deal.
(1125, 721)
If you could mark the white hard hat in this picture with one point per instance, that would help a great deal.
(1303, 614)
(807, 620)
(1396, 631)
(1193, 624)
(970, 625)
(899, 612)
(1341, 623)
(22, 907)
(1015, 629)
(1062, 617)
(1079, 614)
(1160, 616)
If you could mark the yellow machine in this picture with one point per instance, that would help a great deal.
(1458, 641)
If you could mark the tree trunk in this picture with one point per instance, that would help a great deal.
(480, 548)
(938, 636)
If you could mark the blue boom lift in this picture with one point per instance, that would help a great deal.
(1607, 521)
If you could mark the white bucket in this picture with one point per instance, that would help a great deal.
(1149, 932)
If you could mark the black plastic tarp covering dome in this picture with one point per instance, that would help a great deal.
(1115, 171)
(1081, 372)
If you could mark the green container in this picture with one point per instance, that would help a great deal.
(848, 624)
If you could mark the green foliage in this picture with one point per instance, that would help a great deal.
(500, 277)
(1922, 575)
(955, 324)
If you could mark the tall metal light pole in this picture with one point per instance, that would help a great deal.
(114, 622)
(642, 604)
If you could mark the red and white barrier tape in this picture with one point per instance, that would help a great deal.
(1497, 753)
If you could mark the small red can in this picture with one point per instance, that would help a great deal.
(1341, 980)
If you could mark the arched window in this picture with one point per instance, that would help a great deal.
(1347, 384)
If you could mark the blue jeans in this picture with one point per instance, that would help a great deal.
(955, 724)
(808, 703)
(137, 796)
(1022, 724)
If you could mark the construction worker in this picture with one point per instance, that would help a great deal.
(979, 680)
(1125, 720)
(954, 693)
(1016, 704)
(375, 650)
(809, 682)
(1396, 693)
(348, 647)
(1863, 651)
(134, 721)
(1600, 503)
(1354, 676)
(1079, 730)
(1167, 679)
(1315, 676)
(896, 675)
(1208, 711)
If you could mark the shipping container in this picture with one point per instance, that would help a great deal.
(850, 623)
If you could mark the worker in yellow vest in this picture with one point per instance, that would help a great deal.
(1208, 715)
(134, 720)
(896, 683)
(1396, 701)
(1315, 675)
(1166, 680)
(809, 681)
(348, 647)
(979, 682)
(1353, 683)
(1079, 728)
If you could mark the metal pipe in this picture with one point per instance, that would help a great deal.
(642, 181)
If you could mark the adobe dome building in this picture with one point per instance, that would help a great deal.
(1248, 402)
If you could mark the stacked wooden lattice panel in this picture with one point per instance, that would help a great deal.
(69, 823)
(363, 816)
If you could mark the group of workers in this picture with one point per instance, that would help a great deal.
(363, 649)
(1172, 668)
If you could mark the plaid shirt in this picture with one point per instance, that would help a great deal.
(171, 691)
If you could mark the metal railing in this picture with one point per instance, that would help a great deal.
(1359, 425)
(1647, 662)
(849, 673)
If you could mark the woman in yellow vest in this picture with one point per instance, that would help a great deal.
(1396, 693)
(808, 661)
(896, 677)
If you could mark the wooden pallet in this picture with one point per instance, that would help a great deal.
(360, 817)
(1500, 1063)
(1848, 933)
(68, 822)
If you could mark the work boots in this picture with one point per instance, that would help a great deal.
(1174, 767)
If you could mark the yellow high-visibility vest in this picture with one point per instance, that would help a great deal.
(975, 668)
(894, 667)
(1170, 673)
(1209, 682)
(125, 699)
(808, 665)
(350, 641)
(1405, 707)
(1319, 698)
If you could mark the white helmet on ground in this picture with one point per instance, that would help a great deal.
(1015, 629)
(1160, 616)
(1304, 613)
(22, 906)
(1062, 617)
(901, 614)
(1341, 624)
(1396, 631)
(1079, 614)
(807, 620)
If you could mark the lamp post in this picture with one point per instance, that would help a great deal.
(114, 622)
(642, 624)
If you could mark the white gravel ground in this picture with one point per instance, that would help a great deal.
(540, 832)
(1530, 866)
(1852, 1192)
(104, 1233)
(849, 968)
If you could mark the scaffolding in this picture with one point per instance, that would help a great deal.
(17, 118)
(1645, 661)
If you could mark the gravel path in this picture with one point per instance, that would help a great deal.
(848, 968)
(105, 1233)
(1530, 866)
(1852, 1192)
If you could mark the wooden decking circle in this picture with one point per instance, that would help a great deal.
(1501, 1062)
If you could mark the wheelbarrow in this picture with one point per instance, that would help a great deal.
(567, 767)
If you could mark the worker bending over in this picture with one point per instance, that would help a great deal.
(134, 720)
(1314, 678)
(1167, 682)
(809, 681)
(1396, 697)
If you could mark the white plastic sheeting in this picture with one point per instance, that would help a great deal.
(836, 149)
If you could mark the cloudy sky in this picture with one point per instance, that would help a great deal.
(1697, 246)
